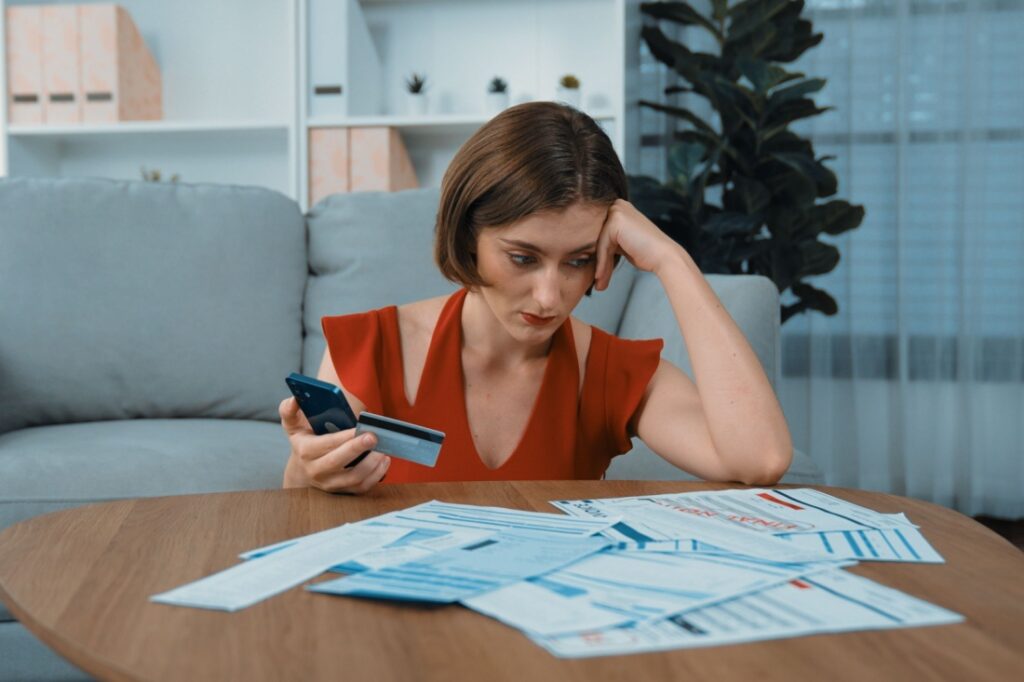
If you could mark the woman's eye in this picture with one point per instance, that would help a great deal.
(521, 260)
(581, 262)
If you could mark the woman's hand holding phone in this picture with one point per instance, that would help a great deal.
(320, 461)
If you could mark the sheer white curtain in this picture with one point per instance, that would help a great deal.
(916, 387)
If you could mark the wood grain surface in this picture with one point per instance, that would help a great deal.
(81, 581)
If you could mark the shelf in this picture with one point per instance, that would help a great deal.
(439, 122)
(145, 127)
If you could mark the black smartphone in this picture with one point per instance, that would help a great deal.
(325, 407)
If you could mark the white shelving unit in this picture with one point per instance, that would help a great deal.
(239, 75)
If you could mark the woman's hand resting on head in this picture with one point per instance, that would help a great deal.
(627, 231)
(319, 461)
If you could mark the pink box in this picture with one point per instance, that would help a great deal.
(379, 161)
(61, 83)
(328, 162)
(357, 160)
(120, 78)
(25, 64)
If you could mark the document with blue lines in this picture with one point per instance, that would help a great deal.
(808, 520)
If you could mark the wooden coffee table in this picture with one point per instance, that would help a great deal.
(81, 581)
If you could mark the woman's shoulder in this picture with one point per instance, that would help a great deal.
(419, 317)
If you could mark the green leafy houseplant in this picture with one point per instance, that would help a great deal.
(416, 83)
(497, 84)
(766, 178)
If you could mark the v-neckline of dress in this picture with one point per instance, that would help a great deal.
(447, 333)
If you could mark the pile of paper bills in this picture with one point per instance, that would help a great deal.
(612, 576)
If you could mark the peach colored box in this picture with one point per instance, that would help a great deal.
(378, 161)
(328, 162)
(61, 83)
(120, 78)
(357, 160)
(24, 64)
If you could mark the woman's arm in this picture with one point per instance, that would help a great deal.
(727, 425)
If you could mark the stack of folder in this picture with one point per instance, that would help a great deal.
(357, 160)
(79, 64)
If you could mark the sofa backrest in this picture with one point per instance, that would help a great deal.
(131, 299)
(751, 300)
(374, 249)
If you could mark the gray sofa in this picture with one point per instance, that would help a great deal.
(146, 330)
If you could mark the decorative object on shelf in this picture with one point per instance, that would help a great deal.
(569, 90)
(155, 175)
(79, 63)
(357, 160)
(120, 77)
(497, 95)
(769, 180)
(416, 94)
(25, 64)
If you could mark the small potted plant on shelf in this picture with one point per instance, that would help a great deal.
(569, 90)
(416, 97)
(156, 176)
(497, 95)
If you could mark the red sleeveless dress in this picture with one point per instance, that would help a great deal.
(568, 435)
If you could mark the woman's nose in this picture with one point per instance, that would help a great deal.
(547, 291)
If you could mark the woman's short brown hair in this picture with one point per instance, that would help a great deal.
(538, 156)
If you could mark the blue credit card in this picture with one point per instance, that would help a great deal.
(401, 439)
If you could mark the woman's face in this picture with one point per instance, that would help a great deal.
(539, 268)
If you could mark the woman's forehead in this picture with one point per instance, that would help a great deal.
(575, 225)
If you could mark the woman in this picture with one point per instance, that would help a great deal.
(533, 216)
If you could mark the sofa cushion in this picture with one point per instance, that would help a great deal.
(132, 299)
(48, 468)
(373, 249)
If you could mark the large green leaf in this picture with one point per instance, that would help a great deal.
(824, 179)
(762, 75)
(729, 223)
(749, 194)
(750, 15)
(684, 160)
(680, 13)
(793, 110)
(688, 64)
(837, 216)
(683, 113)
(818, 258)
(815, 299)
(795, 91)
(719, 9)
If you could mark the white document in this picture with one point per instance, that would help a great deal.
(629, 587)
(455, 574)
(836, 601)
(449, 518)
(253, 581)
(770, 511)
(652, 519)
(891, 544)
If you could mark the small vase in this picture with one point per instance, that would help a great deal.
(570, 96)
(497, 102)
(416, 104)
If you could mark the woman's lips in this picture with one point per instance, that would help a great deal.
(535, 320)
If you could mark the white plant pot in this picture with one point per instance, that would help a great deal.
(497, 102)
(570, 96)
(416, 104)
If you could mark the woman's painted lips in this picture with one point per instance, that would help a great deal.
(536, 321)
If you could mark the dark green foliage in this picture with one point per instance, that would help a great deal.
(769, 178)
